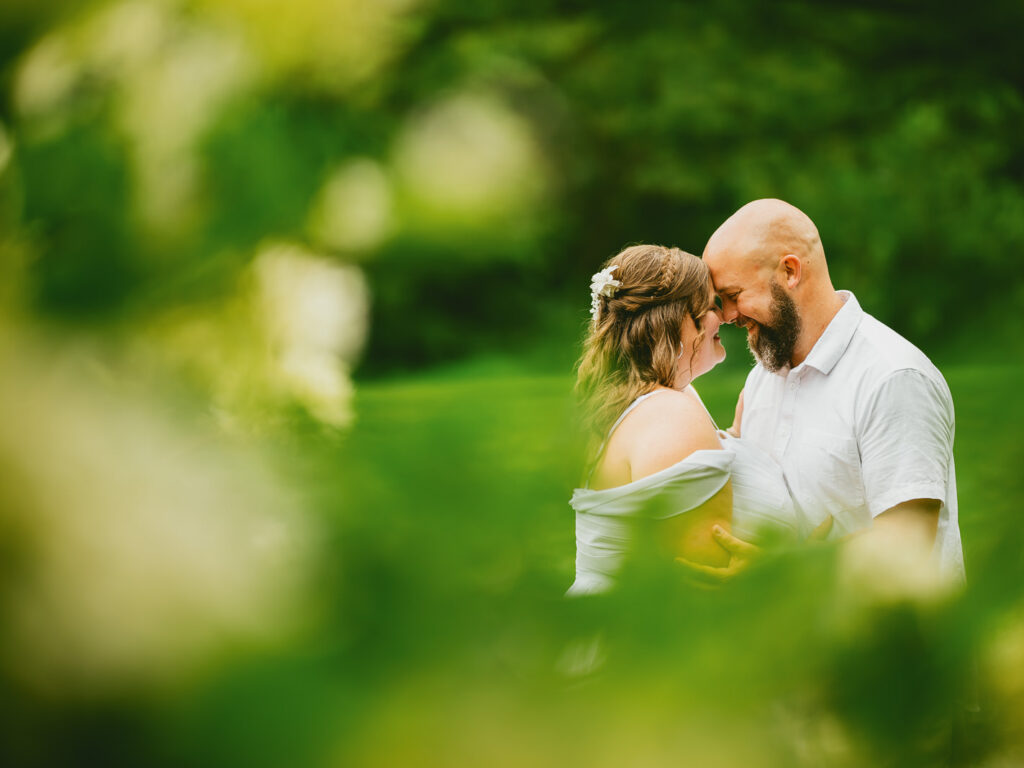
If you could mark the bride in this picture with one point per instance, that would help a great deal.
(660, 457)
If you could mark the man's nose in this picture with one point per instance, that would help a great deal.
(729, 312)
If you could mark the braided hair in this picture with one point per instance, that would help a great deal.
(633, 342)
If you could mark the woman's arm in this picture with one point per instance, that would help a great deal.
(663, 434)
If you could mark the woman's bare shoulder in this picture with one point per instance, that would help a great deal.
(669, 410)
(664, 430)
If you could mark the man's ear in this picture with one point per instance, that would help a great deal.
(793, 269)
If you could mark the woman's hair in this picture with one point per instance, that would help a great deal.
(633, 342)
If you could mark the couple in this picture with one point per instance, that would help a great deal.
(842, 426)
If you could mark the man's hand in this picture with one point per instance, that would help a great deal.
(741, 554)
(737, 419)
(821, 533)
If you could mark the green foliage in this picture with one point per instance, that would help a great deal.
(652, 123)
(190, 197)
(77, 205)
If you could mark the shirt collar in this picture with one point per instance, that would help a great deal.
(833, 342)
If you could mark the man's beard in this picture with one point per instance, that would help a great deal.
(775, 340)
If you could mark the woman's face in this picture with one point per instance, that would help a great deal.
(710, 352)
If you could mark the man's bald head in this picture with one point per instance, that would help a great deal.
(763, 231)
(769, 271)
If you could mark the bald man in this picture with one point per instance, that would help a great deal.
(858, 417)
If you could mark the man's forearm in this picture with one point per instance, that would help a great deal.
(915, 522)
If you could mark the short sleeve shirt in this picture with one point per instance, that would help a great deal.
(863, 424)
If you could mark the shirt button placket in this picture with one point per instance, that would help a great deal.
(786, 419)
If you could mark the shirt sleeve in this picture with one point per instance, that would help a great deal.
(905, 439)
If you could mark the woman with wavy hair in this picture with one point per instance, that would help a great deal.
(659, 455)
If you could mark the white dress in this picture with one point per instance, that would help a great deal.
(605, 518)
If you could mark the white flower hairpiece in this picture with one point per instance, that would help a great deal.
(602, 284)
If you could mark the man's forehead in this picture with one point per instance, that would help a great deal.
(725, 276)
(726, 253)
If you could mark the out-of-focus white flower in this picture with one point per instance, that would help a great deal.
(469, 157)
(166, 75)
(329, 44)
(354, 210)
(321, 383)
(125, 34)
(311, 302)
(290, 335)
(145, 546)
(167, 101)
(45, 77)
(315, 315)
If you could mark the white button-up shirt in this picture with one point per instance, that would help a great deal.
(863, 424)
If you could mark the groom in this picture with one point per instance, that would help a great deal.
(858, 417)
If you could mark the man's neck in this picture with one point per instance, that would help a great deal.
(814, 321)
